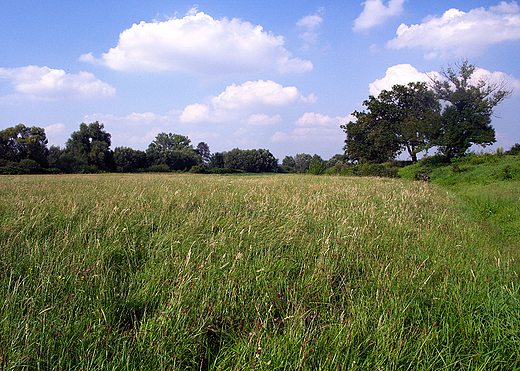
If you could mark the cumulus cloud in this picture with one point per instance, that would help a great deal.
(239, 100)
(262, 119)
(497, 78)
(44, 83)
(461, 34)
(314, 127)
(376, 13)
(199, 44)
(54, 129)
(310, 24)
(401, 74)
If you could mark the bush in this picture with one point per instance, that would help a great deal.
(316, 168)
(515, 150)
(368, 169)
(198, 169)
(162, 168)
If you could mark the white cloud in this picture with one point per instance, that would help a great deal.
(314, 127)
(200, 44)
(497, 78)
(261, 119)
(401, 74)
(239, 100)
(44, 83)
(376, 13)
(461, 34)
(54, 129)
(311, 24)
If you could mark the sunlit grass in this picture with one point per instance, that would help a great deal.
(266, 272)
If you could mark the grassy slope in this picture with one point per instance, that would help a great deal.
(489, 188)
(268, 272)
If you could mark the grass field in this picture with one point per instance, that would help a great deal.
(269, 272)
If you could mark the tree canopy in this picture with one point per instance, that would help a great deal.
(466, 119)
(452, 116)
(404, 118)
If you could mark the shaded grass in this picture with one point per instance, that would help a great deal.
(261, 272)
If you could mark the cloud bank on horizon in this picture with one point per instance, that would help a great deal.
(262, 94)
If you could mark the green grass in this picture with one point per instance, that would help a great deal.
(278, 272)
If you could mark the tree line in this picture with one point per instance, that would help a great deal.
(23, 150)
(450, 115)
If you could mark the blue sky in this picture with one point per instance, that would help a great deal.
(277, 75)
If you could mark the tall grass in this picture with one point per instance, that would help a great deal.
(189, 272)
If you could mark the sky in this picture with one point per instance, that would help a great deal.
(276, 75)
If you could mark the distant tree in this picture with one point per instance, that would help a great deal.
(288, 163)
(336, 160)
(88, 150)
(203, 150)
(165, 141)
(24, 143)
(128, 160)
(234, 159)
(466, 119)
(216, 161)
(252, 160)
(316, 167)
(173, 150)
(302, 162)
(259, 161)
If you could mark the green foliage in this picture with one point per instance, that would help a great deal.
(302, 162)
(251, 161)
(514, 151)
(379, 170)
(405, 117)
(466, 120)
(204, 152)
(216, 160)
(336, 160)
(21, 143)
(316, 167)
(161, 168)
(128, 160)
(87, 150)
(174, 151)
(372, 137)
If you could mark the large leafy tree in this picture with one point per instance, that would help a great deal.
(404, 118)
(88, 149)
(204, 152)
(24, 143)
(251, 160)
(128, 160)
(302, 162)
(174, 150)
(373, 136)
(469, 104)
(415, 112)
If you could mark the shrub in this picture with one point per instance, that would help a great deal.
(162, 168)
(316, 168)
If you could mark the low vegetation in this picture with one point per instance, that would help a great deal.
(283, 271)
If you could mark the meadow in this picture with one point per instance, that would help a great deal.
(267, 272)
